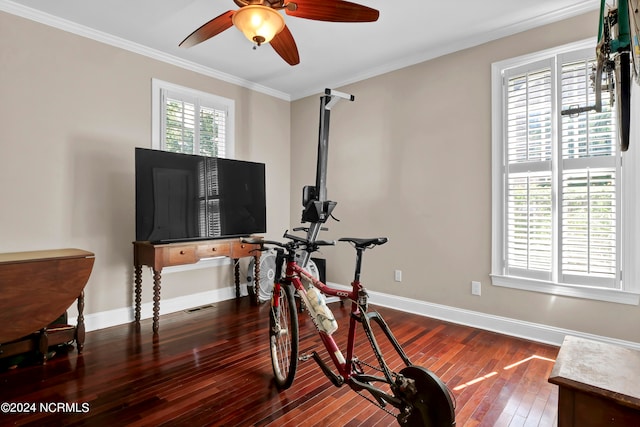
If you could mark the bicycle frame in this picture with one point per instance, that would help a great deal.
(347, 366)
(614, 60)
(622, 40)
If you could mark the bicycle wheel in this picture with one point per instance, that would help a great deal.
(623, 97)
(431, 405)
(283, 336)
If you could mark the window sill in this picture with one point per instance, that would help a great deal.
(585, 292)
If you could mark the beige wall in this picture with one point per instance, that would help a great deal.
(71, 112)
(411, 159)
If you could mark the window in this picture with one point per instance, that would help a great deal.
(558, 181)
(191, 122)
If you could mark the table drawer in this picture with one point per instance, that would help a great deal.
(182, 255)
(214, 250)
(241, 250)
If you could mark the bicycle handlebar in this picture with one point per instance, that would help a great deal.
(295, 242)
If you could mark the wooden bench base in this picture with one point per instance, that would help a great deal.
(598, 384)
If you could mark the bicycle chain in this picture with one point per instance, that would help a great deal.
(368, 365)
(305, 357)
(363, 312)
(377, 404)
(366, 397)
(369, 334)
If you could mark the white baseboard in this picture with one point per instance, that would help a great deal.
(121, 316)
(504, 325)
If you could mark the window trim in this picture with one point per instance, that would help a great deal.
(630, 200)
(157, 86)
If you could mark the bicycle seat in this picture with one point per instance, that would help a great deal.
(364, 243)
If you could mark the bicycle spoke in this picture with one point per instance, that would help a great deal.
(283, 336)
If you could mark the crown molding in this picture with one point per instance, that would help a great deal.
(102, 37)
(454, 46)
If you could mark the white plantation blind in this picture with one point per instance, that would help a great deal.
(190, 121)
(529, 143)
(529, 224)
(529, 117)
(210, 205)
(589, 134)
(589, 225)
(561, 214)
(589, 194)
(193, 127)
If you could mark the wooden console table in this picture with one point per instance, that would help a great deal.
(36, 288)
(598, 384)
(158, 256)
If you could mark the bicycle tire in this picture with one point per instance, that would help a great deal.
(623, 97)
(432, 404)
(283, 336)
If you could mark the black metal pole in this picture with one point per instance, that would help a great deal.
(323, 149)
(326, 102)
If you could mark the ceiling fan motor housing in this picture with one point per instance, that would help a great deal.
(274, 4)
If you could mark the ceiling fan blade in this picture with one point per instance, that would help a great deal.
(210, 29)
(331, 10)
(285, 46)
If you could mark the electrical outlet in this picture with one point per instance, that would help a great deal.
(397, 275)
(476, 288)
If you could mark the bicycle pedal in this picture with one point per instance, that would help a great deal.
(304, 357)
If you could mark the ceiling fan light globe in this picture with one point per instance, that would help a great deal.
(259, 24)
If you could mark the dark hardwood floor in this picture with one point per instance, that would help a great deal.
(211, 367)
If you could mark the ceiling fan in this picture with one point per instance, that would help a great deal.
(261, 22)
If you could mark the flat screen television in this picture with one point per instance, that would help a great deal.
(182, 197)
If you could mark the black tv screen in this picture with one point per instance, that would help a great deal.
(181, 197)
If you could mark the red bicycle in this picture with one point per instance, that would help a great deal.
(414, 395)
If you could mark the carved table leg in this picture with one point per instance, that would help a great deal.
(256, 278)
(43, 345)
(138, 291)
(156, 299)
(236, 272)
(80, 331)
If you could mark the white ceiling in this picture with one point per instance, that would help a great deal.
(331, 54)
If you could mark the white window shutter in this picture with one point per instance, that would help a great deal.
(561, 195)
(529, 142)
(192, 122)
